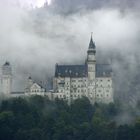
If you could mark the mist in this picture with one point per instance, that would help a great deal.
(34, 40)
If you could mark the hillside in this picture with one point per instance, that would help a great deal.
(37, 118)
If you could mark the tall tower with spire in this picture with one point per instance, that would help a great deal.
(92, 80)
(6, 79)
(91, 70)
(91, 60)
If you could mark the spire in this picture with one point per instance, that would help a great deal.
(6, 69)
(6, 63)
(30, 78)
(92, 44)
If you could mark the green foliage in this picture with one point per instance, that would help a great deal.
(37, 118)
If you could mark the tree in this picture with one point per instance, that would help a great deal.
(6, 125)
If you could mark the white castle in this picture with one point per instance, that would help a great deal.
(70, 82)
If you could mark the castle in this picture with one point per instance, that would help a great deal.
(70, 82)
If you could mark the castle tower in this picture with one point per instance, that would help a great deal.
(30, 81)
(91, 60)
(91, 70)
(28, 84)
(6, 79)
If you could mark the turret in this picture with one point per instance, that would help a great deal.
(91, 60)
(30, 81)
(6, 79)
(28, 84)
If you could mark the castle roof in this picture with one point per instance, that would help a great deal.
(70, 71)
(30, 78)
(6, 69)
(92, 44)
(6, 63)
(39, 83)
(102, 70)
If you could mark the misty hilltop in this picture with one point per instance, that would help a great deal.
(34, 40)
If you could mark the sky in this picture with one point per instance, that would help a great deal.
(33, 3)
(35, 35)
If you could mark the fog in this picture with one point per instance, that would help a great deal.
(34, 40)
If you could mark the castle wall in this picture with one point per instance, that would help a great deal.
(104, 90)
(100, 91)
(6, 79)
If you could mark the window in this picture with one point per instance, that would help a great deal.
(64, 96)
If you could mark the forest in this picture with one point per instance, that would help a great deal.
(38, 118)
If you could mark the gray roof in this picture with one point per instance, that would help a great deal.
(40, 83)
(71, 71)
(7, 63)
(102, 70)
(92, 44)
(6, 69)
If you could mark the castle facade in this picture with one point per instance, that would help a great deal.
(90, 79)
